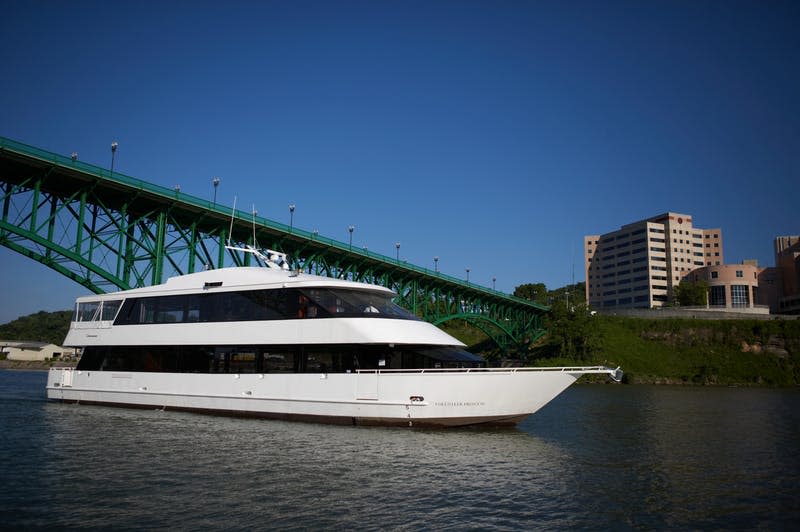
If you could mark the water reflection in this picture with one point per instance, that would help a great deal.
(166, 469)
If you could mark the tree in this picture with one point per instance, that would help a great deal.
(533, 292)
(688, 294)
(572, 332)
(574, 294)
(50, 327)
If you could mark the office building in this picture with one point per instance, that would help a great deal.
(638, 265)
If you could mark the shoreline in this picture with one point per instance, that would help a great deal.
(37, 365)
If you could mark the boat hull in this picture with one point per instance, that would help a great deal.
(440, 398)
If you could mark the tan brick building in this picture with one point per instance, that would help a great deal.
(638, 265)
(732, 286)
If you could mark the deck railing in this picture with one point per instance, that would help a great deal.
(614, 373)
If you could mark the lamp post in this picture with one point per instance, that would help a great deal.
(493, 281)
(74, 156)
(215, 182)
(177, 189)
(350, 230)
(397, 245)
(467, 275)
(436, 264)
(113, 152)
(291, 216)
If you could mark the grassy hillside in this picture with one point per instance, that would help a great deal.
(689, 351)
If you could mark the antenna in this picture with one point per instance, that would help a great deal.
(255, 244)
(572, 286)
(573, 266)
(233, 211)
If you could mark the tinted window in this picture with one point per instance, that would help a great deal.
(253, 305)
(110, 309)
(340, 358)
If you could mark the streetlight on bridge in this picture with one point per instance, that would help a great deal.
(350, 230)
(291, 216)
(493, 281)
(397, 245)
(467, 275)
(215, 182)
(113, 152)
(436, 264)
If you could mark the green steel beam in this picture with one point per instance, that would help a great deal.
(111, 232)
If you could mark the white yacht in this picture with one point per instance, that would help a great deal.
(267, 342)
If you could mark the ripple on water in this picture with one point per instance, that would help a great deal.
(599, 456)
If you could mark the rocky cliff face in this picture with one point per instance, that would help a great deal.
(773, 344)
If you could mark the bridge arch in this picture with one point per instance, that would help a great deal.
(504, 334)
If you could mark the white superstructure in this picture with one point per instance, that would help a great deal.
(267, 342)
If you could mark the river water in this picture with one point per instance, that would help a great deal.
(621, 457)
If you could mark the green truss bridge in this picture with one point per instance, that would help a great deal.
(108, 232)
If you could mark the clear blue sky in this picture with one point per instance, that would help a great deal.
(481, 132)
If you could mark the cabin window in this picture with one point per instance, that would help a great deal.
(330, 359)
(110, 309)
(278, 361)
(343, 358)
(258, 305)
(242, 362)
(319, 362)
(342, 303)
(169, 310)
(87, 311)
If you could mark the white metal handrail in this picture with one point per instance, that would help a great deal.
(615, 374)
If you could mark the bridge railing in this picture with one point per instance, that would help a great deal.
(189, 200)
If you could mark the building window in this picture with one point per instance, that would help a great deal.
(740, 295)
(739, 273)
(714, 275)
(717, 296)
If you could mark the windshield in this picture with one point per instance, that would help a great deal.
(342, 303)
